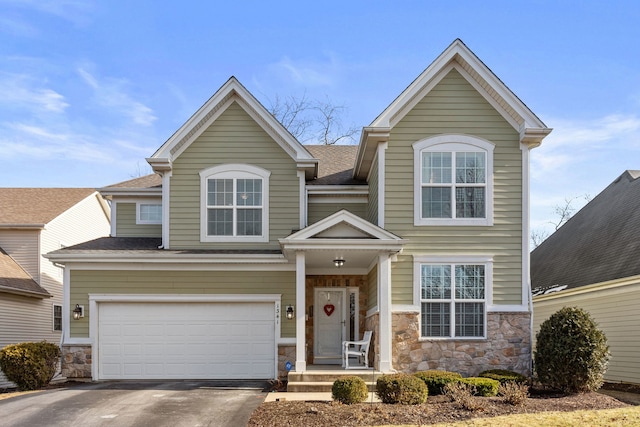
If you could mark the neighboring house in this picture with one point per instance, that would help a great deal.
(34, 221)
(249, 253)
(593, 262)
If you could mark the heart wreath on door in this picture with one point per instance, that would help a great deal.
(329, 309)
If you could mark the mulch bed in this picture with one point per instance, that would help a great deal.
(437, 410)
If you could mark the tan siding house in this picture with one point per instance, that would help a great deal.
(591, 262)
(270, 254)
(34, 221)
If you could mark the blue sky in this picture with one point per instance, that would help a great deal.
(89, 89)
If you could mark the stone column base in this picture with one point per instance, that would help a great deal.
(76, 361)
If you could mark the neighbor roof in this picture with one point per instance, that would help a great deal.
(15, 280)
(599, 243)
(37, 206)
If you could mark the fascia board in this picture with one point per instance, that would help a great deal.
(346, 244)
(161, 258)
(16, 226)
(10, 290)
(350, 190)
(337, 218)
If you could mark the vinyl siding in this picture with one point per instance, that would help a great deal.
(372, 289)
(85, 282)
(233, 138)
(318, 211)
(615, 310)
(126, 223)
(372, 206)
(23, 247)
(454, 106)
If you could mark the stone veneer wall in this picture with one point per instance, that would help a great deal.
(508, 346)
(286, 353)
(371, 324)
(76, 361)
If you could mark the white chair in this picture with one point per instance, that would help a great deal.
(359, 349)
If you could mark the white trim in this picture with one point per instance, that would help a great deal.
(373, 310)
(286, 341)
(303, 199)
(453, 143)
(338, 190)
(166, 201)
(526, 266)
(317, 199)
(405, 308)
(382, 148)
(486, 260)
(96, 299)
(301, 275)
(385, 319)
(507, 308)
(234, 171)
(211, 263)
(112, 221)
(141, 221)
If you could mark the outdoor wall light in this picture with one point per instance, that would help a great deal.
(290, 312)
(338, 262)
(78, 312)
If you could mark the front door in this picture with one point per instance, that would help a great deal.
(329, 314)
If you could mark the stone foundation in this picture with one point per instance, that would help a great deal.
(286, 353)
(508, 346)
(76, 361)
(371, 324)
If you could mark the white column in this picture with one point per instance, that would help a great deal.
(384, 307)
(301, 357)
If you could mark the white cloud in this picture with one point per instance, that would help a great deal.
(20, 90)
(111, 93)
(75, 11)
(308, 73)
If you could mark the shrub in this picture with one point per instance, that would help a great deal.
(571, 352)
(482, 386)
(463, 395)
(349, 390)
(514, 393)
(30, 365)
(401, 388)
(504, 376)
(436, 380)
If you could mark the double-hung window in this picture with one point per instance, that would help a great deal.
(453, 182)
(234, 203)
(148, 213)
(453, 297)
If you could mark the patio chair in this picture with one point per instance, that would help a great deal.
(359, 349)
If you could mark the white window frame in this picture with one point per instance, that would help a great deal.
(53, 317)
(419, 261)
(453, 143)
(234, 171)
(139, 219)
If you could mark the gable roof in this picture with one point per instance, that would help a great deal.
(232, 91)
(599, 243)
(35, 207)
(15, 280)
(457, 56)
(335, 164)
(149, 185)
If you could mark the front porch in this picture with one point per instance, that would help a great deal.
(320, 378)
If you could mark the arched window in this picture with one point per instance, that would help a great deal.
(453, 181)
(235, 203)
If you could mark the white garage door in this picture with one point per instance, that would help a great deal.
(186, 340)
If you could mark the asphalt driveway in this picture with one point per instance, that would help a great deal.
(149, 403)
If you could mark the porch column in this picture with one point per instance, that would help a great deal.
(384, 306)
(301, 356)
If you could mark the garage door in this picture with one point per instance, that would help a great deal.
(186, 340)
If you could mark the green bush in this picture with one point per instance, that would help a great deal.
(30, 365)
(571, 352)
(349, 390)
(401, 388)
(436, 380)
(504, 376)
(485, 387)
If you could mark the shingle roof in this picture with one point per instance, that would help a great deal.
(335, 164)
(147, 181)
(599, 243)
(14, 279)
(37, 205)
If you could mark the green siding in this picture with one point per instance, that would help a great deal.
(454, 106)
(233, 138)
(372, 207)
(126, 223)
(318, 211)
(372, 288)
(85, 282)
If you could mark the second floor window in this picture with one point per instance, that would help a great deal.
(149, 213)
(235, 203)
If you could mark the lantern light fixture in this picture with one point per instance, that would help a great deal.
(78, 312)
(290, 312)
(338, 262)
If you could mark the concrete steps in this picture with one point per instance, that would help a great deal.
(313, 381)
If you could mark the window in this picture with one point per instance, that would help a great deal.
(453, 297)
(57, 317)
(148, 213)
(234, 203)
(453, 182)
